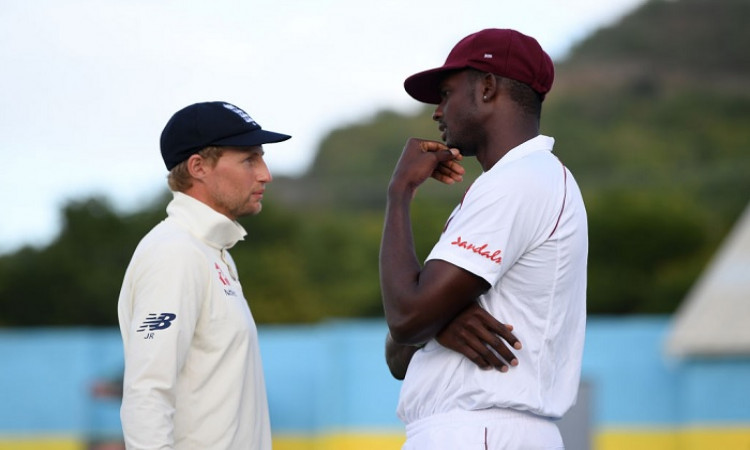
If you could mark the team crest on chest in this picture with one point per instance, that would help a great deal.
(222, 278)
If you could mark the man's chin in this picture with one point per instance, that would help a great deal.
(253, 210)
(451, 144)
(462, 149)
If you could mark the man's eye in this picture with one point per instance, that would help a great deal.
(253, 159)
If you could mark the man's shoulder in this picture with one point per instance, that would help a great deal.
(169, 240)
(532, 170)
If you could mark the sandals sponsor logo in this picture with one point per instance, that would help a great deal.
(480, 250)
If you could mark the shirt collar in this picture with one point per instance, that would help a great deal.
(210, 226)
(540, 142)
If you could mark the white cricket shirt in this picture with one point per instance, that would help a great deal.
(193, 373)
(522, 227)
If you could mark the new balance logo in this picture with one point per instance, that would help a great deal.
(157, 322)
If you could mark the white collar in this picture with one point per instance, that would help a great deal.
(210, 226)
(540, 142)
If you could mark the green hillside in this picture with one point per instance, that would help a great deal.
(651, 115)
(695, 41)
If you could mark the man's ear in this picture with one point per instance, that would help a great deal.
(490, 87)
(197, 166)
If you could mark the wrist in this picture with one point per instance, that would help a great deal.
(399, 190)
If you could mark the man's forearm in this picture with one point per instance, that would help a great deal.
(417, 302)
(146, 420)
(398, 356)
(399, 266)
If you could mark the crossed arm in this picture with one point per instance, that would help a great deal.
(439, 299)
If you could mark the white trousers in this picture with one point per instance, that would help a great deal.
(489, 429)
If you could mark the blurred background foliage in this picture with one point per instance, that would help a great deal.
(651, 114)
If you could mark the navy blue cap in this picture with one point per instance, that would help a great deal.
(201, 125)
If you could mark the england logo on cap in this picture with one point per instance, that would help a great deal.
(245, 116)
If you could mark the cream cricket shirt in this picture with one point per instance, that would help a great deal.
(522, 227)
(193, 373)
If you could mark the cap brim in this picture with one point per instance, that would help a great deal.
(425, 86)
(252, 138)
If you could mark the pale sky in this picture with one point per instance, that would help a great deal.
(88, 85)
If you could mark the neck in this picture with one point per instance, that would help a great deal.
(507, 126)
(503, 143)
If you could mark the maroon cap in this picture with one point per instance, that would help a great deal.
(503, 52)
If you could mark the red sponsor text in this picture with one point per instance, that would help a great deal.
(480, 250)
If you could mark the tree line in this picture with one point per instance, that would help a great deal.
(652, 125)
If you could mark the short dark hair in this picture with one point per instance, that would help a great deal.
(521, 93)
(527, 98)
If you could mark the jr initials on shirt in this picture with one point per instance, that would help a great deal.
(156, 322)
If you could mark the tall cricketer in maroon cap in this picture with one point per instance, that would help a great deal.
(513, 251)
(503, 52)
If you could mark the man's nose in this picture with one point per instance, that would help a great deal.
(437, 114)
(265, 174)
